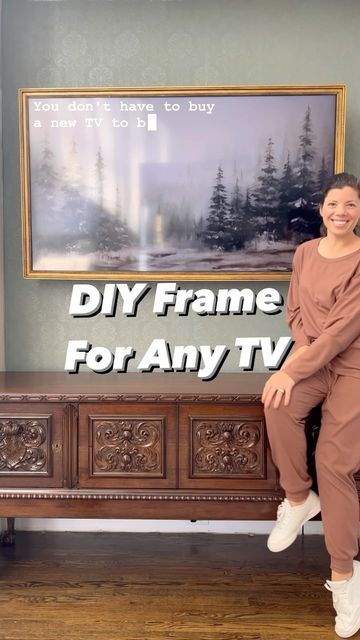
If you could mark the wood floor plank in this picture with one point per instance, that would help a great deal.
(160, 586)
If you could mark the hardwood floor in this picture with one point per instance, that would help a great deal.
(120, 586)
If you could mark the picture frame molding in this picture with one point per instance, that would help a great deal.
(338, 90)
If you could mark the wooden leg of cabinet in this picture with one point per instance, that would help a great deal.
(8, 537)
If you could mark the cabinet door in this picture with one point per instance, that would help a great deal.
(127, 446)
(224, 447)
(33, 445)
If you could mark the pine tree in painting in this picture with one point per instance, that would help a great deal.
(45, 198)
(217, 234)
(236, 218)
(199, 231)
(110, 234)
(287, 199)
(305, 181)
(249, 216)
(75, 205)
(266, 196)
(100, 165)
(304, 220)
(179, 226)
(46, 177)
(322, 177)
(118, 210)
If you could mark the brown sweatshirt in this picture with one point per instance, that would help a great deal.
(323, 311)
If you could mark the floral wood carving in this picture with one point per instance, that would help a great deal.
(24, 445)
(128, 447)
(229, 448)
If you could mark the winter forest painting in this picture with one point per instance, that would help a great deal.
(215, 184)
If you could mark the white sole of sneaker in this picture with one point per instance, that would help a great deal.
(277, 549)
(352, 631)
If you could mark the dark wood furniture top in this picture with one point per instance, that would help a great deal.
(59, 386)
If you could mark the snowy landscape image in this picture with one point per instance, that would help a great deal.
(187, 184)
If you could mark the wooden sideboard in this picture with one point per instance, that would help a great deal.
(160, 445)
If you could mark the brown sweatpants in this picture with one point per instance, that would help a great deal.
(337, 456)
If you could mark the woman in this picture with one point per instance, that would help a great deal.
(323, 312)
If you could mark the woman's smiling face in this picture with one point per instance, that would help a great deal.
(341, 211)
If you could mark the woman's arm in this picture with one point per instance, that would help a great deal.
(278, 388)
(341, 328)
(293, 314)
(295, 354)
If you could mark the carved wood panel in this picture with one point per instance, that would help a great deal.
(25, 445)
(33, 445)
(231, 448)
(127, 445)
(222, 446)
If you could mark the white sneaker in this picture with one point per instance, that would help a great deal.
(290, 520)
(346, 601)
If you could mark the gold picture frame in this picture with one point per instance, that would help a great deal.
(180, 183)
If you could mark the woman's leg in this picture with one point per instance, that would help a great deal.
(286, 433)
(337, 458)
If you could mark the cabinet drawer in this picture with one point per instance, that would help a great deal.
(224, 447)
(33, 443)
(127, 446)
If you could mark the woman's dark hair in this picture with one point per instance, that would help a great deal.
(339, 181)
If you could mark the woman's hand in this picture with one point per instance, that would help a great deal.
(277, 389)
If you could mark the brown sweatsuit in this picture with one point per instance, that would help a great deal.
(323, 311)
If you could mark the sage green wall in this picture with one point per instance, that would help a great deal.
(2, 293)
(48, 43)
